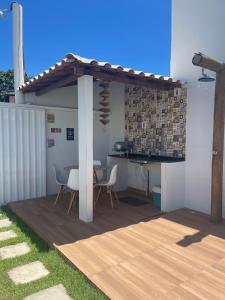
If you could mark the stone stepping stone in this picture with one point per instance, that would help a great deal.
(6, 235)
(28, 273)
(14, 250)
(5, 223)
(57, 292)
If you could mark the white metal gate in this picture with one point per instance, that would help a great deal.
(22, 153)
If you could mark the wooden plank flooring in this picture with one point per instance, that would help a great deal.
(130, 255)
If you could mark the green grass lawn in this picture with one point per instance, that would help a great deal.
(76, 284)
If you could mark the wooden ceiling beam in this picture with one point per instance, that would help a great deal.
(124, 78)
(207, 62)
(56, 84)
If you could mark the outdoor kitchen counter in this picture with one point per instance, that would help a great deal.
(147, 159)
(168, 172)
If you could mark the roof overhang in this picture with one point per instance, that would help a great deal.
(66, 72)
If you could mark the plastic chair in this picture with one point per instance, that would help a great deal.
(98, 174)
(73, 185)
(60, 181)
(109, 186)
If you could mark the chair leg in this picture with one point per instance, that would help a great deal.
(111, 198)
(98, 196)
(116, 197)
(58, 195)
(73, 196)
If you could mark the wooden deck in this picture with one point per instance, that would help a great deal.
(130, 255)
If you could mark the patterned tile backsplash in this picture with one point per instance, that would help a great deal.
(155, 120)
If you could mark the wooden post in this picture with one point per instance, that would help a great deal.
(207, 62)
(218, 148)
(85, 138)
(218, 133)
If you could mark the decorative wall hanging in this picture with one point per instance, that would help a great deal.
(70, 134)
(51, 118)
(56, 130)
(105, 110)
(51, 143)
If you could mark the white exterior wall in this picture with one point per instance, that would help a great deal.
(172, 186)
(68, 98)
(116, 127)
(197, 26)
(61, 97)
(64, 102)
(64, 153)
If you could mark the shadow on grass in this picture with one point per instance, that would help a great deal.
(41, 245)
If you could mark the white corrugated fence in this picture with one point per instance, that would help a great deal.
(22, 153)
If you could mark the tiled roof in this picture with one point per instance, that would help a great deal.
(65, 67)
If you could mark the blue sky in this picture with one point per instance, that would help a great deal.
(132, 33)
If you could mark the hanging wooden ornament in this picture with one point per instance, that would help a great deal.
(104, 103)
(105, 109)
(104, 122)
(104, 116)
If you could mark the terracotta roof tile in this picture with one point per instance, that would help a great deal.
(68, 63)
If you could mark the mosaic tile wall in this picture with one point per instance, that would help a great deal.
(155, 120)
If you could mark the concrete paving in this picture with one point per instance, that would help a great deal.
(6, 235)
(5, 223)
(28, 273)
(57, 292)
(14, 250)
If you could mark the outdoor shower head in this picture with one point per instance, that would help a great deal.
(205, 77)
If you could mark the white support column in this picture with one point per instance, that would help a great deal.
(85, 137)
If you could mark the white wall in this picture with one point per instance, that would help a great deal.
(172, 186)
(68, 97)
(66, 153)
(197, 26)
(62, 97)
(116, 126)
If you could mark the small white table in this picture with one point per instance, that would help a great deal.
(95, 169)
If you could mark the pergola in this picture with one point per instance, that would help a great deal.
(75, 70)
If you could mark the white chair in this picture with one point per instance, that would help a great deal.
(60, 181)
(73, 185)
(98, 174)
(109, 186)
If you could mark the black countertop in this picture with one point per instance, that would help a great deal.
(143, 158)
